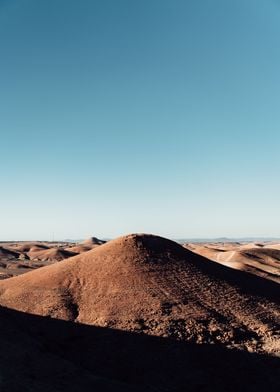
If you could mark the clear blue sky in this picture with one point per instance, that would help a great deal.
(139, 116)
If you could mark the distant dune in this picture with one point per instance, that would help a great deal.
(52, 254)
(145, 283)
(259, 259)
(139, 313)
(26, 246)
(93, 241)
(8, 254)
(86, 245)
(17, 258)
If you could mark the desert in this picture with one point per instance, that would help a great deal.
(139, 200)
(262, 259)
(140, 312)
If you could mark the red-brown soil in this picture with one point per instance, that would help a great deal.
(52, 254)
(259, 259)
(148, 284)
(44, 354)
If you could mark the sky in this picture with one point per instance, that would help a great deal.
(158, 116)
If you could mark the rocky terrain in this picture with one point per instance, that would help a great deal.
(138, 313)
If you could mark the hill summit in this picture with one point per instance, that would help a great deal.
(149, 284)
(93, 241)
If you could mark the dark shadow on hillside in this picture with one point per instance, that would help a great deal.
(43, 354)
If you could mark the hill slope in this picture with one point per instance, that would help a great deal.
(44, 354)
(257, 259)
(153, 285)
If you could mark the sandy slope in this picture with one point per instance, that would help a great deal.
(52, 254)
(149, 284)
(258, 259)
(8, 254)
(86, 245)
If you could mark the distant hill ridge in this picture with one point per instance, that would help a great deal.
(146, 283)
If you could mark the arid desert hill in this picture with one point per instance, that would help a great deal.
(17, 258)
(86, 245)
(93, 241)
(11, 262)
(52, 254)
(26, 246)
(145, 283)
(259, 259)
(8, 254)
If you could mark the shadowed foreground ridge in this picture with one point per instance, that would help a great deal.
(144, 283)
(43, 354)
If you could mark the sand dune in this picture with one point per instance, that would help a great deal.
(273, 246)
(145, 283)
(93, 241)
(8, 254)
(81, 248)
(258, 259)
(86, 245)
(26, 246)
(52, 254)
(19, 258)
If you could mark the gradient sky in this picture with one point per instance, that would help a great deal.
(121, 116)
